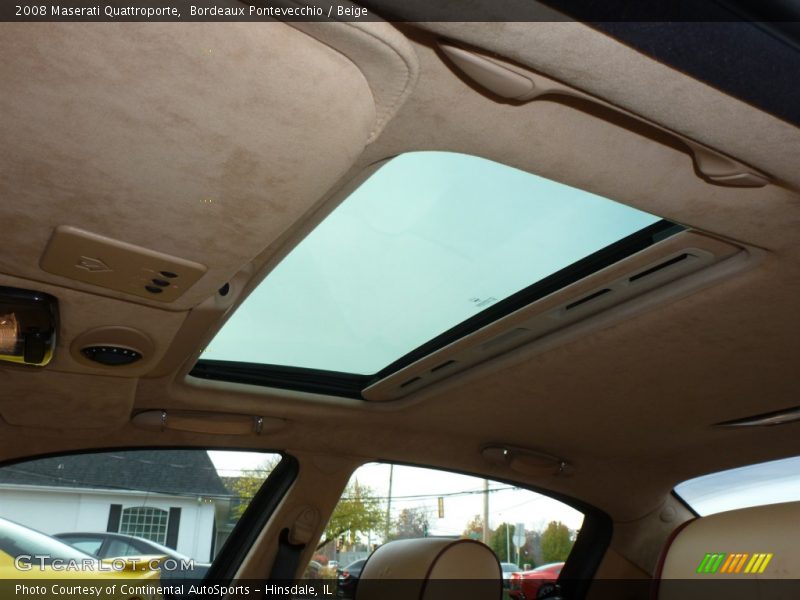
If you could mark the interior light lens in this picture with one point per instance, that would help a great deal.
(9, 334)
(28, 326)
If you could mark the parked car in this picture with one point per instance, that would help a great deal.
(508, 568)
(113, 545)
(525, 585)
(333, 564)
(347, 579)
(27, 554)
(313, 570)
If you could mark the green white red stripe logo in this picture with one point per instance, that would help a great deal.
(736, 562)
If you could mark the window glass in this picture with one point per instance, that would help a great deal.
(385, 502)
(183, 503)
(755, 485)
(120, 548)
(143, 521)
(90, 546)
(430, 240)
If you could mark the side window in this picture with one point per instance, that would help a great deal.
(119, 548)
(383, 502)
(90, 546)
(178, 503)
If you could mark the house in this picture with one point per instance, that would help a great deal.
(174, 497)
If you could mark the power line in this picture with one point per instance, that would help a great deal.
(436, 495)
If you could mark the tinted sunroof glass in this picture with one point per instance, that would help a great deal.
(429, 240)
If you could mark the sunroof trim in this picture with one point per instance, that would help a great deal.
(536, 291)
(550, 321)
(350, 385)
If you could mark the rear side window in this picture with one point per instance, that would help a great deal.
(384, 502)
(90, 546)
(120, 548)
(180, 503)
(755, 485)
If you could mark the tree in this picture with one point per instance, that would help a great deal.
(501, 541)
(358, 511)
(246, 485)
(556, 542)
(474, 528)
(411, 523)
(531, 552)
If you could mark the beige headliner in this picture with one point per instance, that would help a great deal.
(128, 130)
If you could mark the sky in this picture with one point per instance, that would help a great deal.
(414, 487)
(429, 240)
(754, 485)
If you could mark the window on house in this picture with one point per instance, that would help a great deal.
(145, 522)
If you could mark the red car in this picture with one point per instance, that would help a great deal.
(525, 585)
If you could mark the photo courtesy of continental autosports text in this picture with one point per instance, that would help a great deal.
(197, 591)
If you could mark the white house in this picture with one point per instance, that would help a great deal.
(174, 497)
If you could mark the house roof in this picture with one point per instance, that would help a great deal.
(160, 471)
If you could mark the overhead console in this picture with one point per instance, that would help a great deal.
(186, 153)
(151, 164)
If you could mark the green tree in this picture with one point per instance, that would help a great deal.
(531, 552)
(246, 485)
(474, 528)
(411, 523)
(501, 541)
(358, 511)
(556, 542)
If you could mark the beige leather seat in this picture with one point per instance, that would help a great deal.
(431, 569)
(752, 553)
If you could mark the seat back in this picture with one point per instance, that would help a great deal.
(748, 553)
(431, 568)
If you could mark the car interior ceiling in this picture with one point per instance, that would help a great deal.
(214, 172)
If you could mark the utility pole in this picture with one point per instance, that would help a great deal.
(485, 511)
(389, 506)
(508, 543)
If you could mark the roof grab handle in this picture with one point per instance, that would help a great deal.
(519, 84)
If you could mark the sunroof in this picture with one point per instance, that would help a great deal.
(428, 242)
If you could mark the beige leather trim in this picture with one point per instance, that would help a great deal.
(751, 531)
(384, 56)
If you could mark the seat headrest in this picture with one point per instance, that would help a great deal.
(431, 568)
(755, 544)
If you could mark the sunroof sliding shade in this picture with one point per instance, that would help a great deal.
(426, 243)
